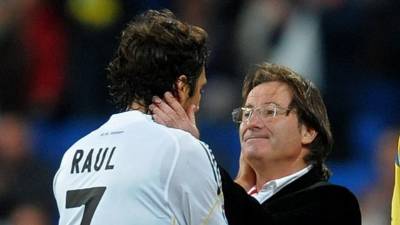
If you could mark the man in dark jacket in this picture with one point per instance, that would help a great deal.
(285, 139)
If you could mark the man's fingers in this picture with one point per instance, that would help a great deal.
(165, 109)
(163, 114)
(191, 113)
(174, 104)
(159, 114)
(159, 120)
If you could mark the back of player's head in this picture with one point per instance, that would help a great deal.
(155, 49)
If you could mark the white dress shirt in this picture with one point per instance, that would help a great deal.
(273, 186)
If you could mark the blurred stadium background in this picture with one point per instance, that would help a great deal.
(53, 56)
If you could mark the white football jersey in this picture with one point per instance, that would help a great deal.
(132, 170)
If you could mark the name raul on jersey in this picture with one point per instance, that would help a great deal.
(93, 161)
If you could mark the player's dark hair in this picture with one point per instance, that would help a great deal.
(307, 101)
(155, 49)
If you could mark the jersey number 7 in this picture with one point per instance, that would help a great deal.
(90, 197)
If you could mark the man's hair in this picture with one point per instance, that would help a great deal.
(308, 103)
(154, 50)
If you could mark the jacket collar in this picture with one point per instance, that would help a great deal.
(310, 178)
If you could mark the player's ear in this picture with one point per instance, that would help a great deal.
(182, 89)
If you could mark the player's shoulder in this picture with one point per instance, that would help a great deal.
(133, 121)
(180, 136)
(187, 144)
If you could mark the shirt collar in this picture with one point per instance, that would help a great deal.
(129, 117)
(273, 186)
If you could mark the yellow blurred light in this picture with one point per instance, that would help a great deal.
(95, 13)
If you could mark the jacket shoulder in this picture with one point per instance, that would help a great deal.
(320, 203)
(335, 192)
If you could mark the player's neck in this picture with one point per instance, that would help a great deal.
(138, 106)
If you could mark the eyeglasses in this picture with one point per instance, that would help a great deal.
(266, 112)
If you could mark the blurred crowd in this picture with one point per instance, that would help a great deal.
(53, 87)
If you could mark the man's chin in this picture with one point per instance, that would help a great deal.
(252, 151)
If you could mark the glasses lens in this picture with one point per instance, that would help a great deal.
(268, 111)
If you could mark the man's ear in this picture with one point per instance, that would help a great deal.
(181, 89)
(308, 134)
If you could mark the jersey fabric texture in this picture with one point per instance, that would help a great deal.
(132, 170)
(396, 191)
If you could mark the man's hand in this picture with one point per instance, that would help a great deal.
(170, 113)
(246, 176)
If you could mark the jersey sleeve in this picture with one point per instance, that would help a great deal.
(194, 190)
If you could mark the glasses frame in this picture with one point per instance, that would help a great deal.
(277, 110)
